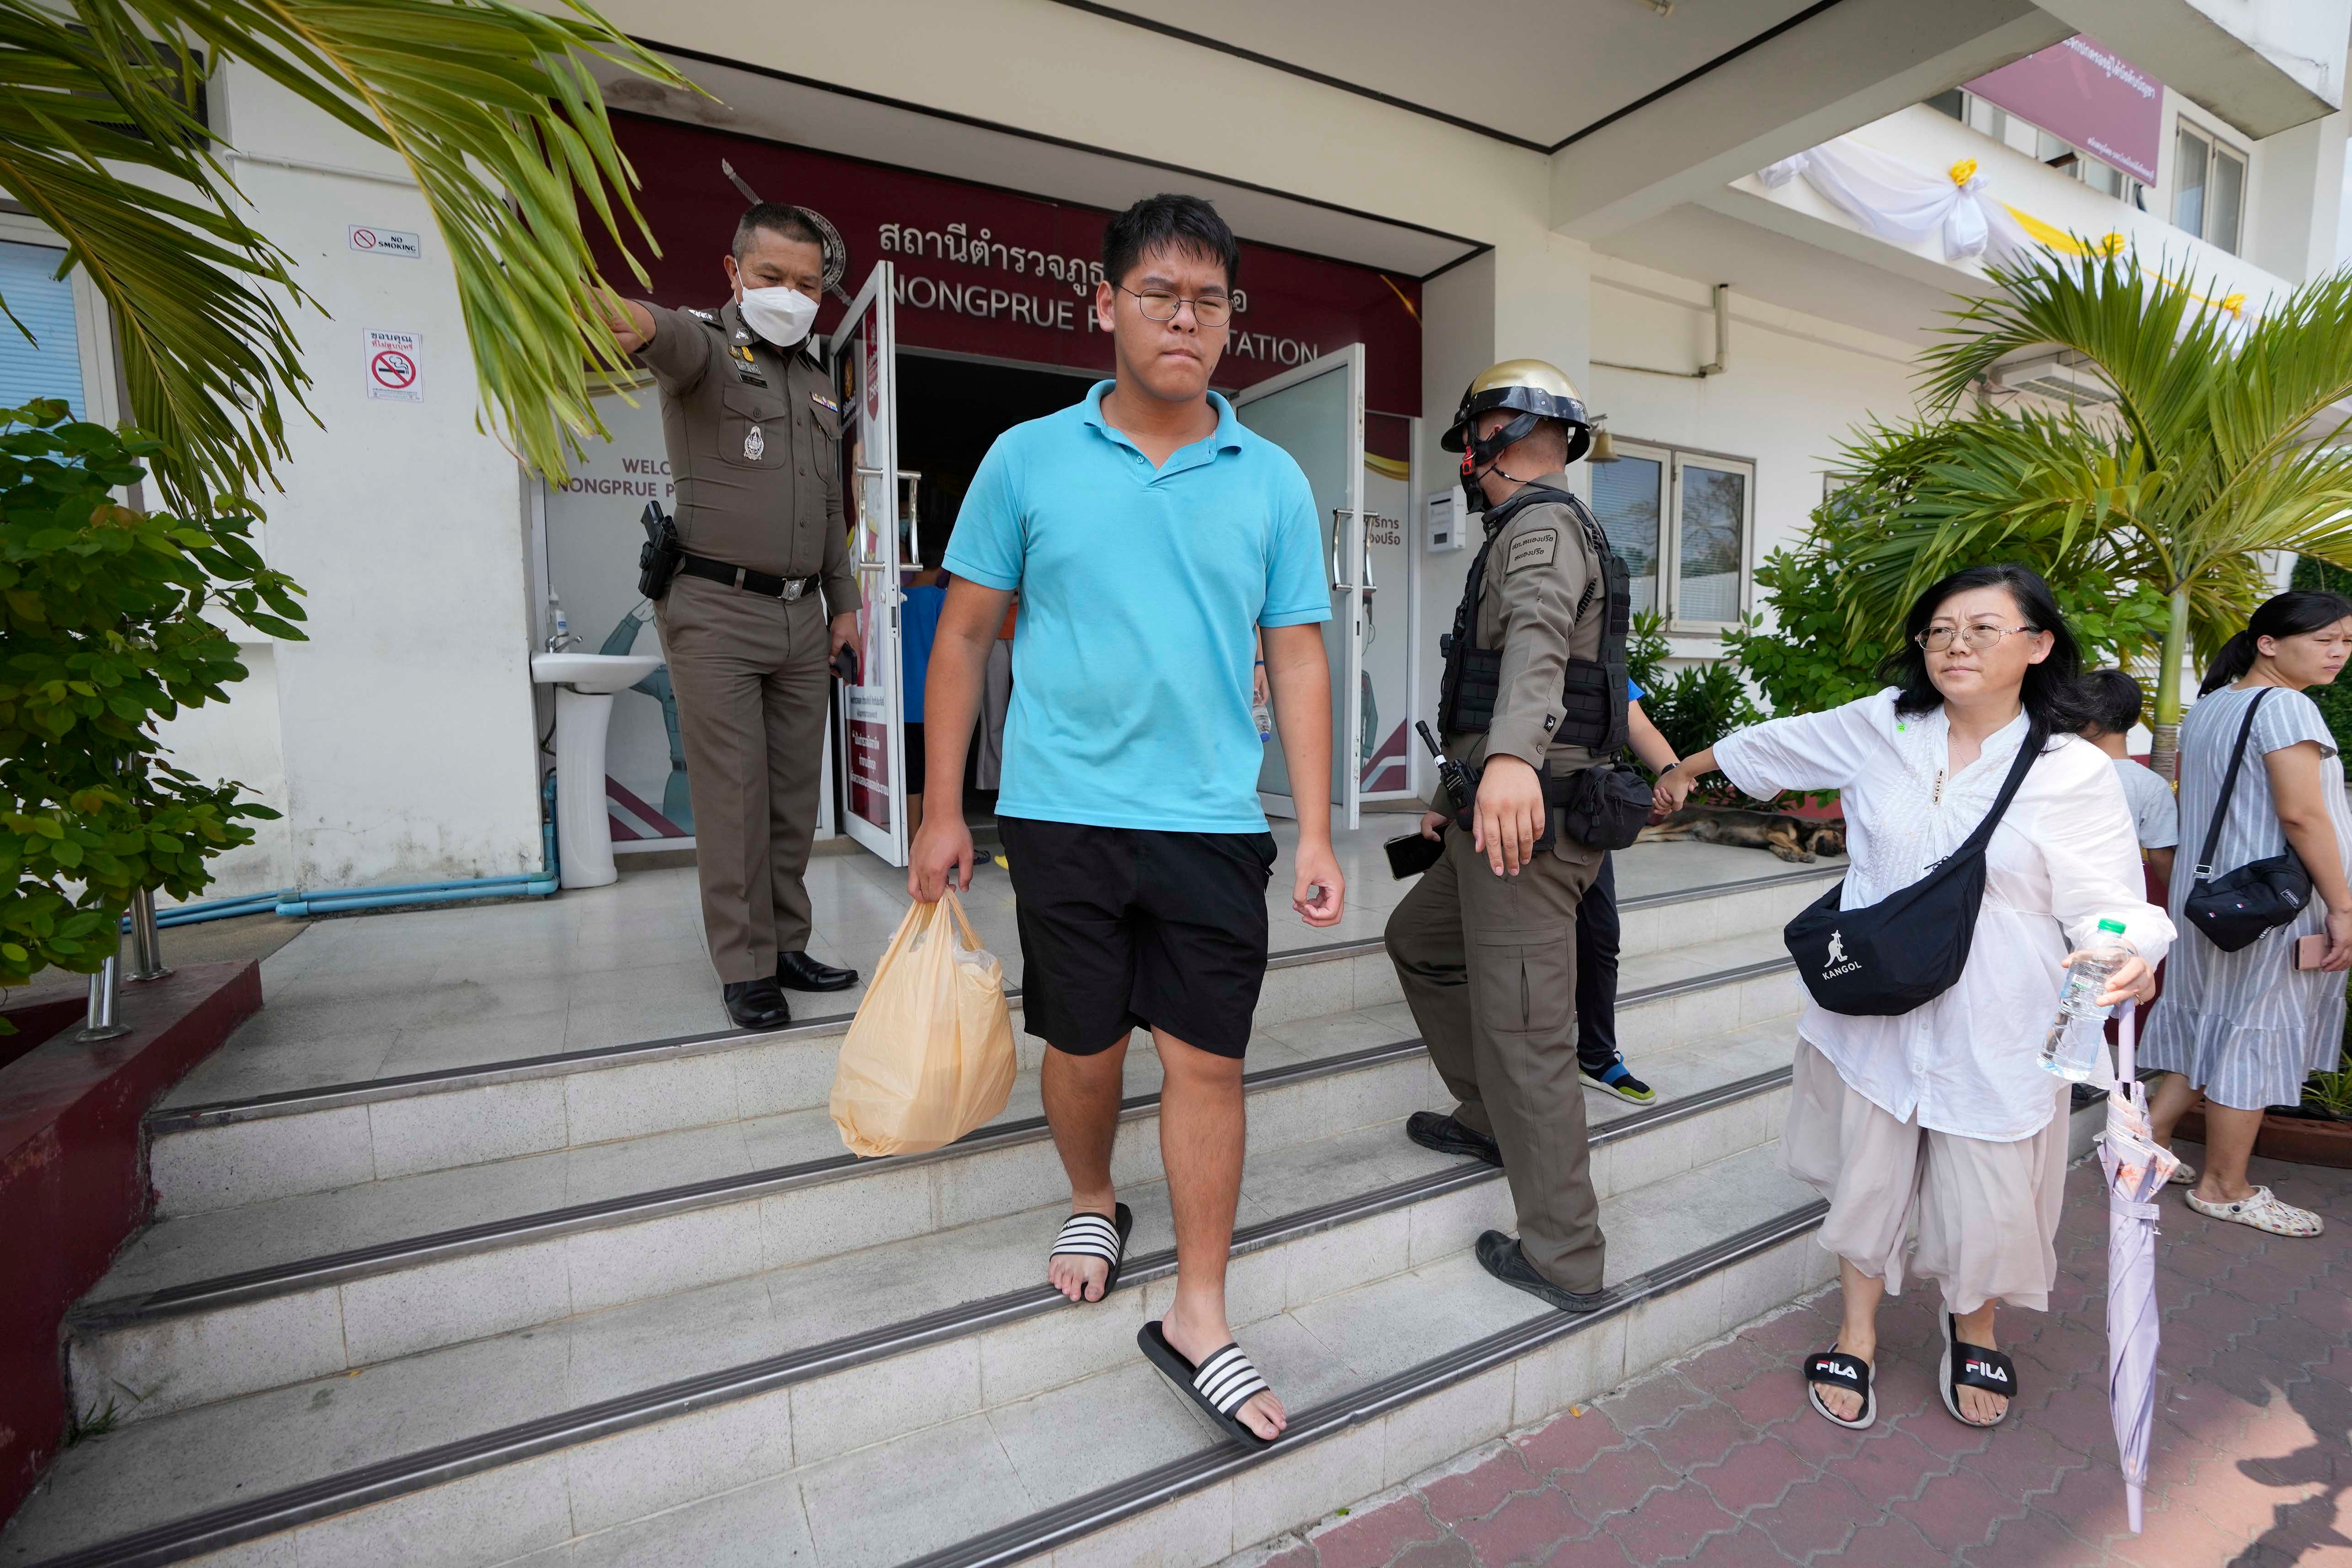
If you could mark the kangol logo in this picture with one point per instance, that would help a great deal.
(1838, 963)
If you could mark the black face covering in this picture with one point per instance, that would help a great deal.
(1481, 453)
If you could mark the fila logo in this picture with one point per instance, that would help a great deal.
(1836, 1371)
(1986, 1369)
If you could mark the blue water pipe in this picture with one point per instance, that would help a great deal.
(288, 901)
(524, 885)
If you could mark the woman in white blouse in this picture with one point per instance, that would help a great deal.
(1940, 1124)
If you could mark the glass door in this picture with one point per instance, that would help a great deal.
(864, 357)
(1316, 412)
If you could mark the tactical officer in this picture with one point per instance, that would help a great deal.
(1485, 945)
(754, 437)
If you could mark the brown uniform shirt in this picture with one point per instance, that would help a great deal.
(1538, 575)
(754, 441)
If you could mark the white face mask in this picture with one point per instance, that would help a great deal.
(782, 316)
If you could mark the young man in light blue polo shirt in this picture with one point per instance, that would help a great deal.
(1152, 540)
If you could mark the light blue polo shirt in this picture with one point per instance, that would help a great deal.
(1140, 589)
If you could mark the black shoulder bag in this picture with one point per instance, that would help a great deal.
(2237, 910)
(1908, 948)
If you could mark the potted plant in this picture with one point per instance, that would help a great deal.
(2317, 1132)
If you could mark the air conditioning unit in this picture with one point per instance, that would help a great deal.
(2052, 377)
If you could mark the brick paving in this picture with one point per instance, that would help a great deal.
(1716, 1460)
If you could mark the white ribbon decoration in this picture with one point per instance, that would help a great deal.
(1904, 204)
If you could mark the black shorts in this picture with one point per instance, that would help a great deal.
(1129, 926)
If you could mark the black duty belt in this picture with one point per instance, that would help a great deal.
(767, 585)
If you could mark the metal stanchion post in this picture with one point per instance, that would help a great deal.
(105, 990)
(146, 941)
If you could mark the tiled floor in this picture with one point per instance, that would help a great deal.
(426, 989)
(1717, 1461)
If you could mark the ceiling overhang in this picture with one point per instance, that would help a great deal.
(776, 106)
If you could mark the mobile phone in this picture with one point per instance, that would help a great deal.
(2310, 952)
(845, 664)
(1413, 854)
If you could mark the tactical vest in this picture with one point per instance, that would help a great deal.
(1594, 690)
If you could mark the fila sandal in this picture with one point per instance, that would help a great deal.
(1973, 1367)
(1225, 1381)
(1087, 1234)
(1835, 1369)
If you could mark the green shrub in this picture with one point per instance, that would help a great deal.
(1813, 659)
(102, 619)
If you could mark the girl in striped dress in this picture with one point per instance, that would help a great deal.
(2242, 1030)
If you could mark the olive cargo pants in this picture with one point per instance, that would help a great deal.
(1488, 966)
(752, 686)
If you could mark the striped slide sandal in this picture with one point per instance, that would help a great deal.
(1223, 1382)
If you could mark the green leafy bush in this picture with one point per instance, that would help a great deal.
(1812, 659)
(103, 634)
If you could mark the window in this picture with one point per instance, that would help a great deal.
(1682, 520)
(69, 353)
(2208, 188)
(1625, 496)
(1990, 120)
(49, 364)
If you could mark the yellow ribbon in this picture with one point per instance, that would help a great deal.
(1964, 171)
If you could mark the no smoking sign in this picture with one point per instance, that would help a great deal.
(392, 367)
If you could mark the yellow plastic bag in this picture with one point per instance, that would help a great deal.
(929, 1055)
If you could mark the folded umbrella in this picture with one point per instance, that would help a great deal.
(2137, 1167)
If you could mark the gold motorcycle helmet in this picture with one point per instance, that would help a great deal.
(1533, 392)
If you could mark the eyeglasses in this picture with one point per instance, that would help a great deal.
(1976, 639)
(1158, 305)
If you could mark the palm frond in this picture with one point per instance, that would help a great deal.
(490, 106)
(2155, 341)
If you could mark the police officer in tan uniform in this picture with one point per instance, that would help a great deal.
(764, 595)
(1485, 945)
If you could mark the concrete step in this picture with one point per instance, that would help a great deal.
(216, 1154)
(212, 1305)
(873, 1360)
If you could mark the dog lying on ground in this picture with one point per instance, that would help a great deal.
(1792, 838)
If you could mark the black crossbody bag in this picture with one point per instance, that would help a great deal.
(2238, 910)
(1908, 948)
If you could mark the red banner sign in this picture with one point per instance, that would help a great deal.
(2085, 92)
(996, 274)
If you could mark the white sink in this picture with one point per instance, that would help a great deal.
(584, 685)
(594, 675)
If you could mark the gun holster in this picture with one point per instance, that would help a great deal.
(658, 557)
(1555, 795)
(1604, 807)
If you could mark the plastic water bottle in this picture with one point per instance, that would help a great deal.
(1264, 717)
(2071, 1050)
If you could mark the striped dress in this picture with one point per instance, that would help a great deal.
(2247, 1027)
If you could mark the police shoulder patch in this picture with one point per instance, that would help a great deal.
(1537, 547)
(710, 316)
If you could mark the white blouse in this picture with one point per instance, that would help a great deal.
(2063, 858)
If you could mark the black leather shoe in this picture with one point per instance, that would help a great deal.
(1435, 1130)
(1500, 1256)
(756, 1004)
(799, 972)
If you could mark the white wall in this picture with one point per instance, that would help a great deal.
(1795, 385)
(403, 745)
